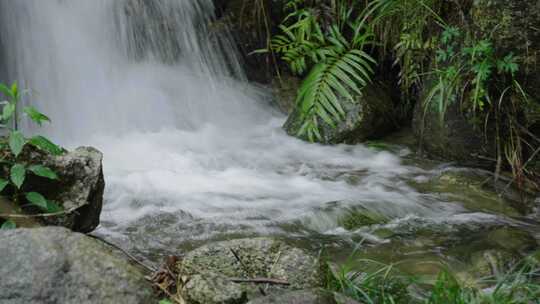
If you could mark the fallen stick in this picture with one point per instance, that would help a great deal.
(260, 281)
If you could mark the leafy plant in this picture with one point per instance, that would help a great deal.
(405, 27)
(463, 73)
(328, 45)
(15, 168)
(381, 283)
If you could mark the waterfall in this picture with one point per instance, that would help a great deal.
(114, 66)
(190, 148)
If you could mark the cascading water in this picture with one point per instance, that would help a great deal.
(109, 66)
(191, 150)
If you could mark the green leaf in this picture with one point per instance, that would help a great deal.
(8, 111)
(37, 200)
(16, 142)
(35, 115)
(6, 91)
(43, 171)
(3, 184)
(46, 145)
(8, 225)
(15, 91)
(18, 175)
(53, 207)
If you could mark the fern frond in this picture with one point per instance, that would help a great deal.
(338, 78)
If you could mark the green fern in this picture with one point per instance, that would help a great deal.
(334, 55)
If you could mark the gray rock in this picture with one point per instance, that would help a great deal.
(79, 188)
(313, 296)
(260, 258)
(54, 265)
(212, 288)
(454, 138)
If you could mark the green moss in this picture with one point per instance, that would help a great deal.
(359, 217)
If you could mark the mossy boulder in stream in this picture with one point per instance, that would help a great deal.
(56, 266)
(372, 116)
(218, 264)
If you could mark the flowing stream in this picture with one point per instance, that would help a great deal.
(195, 153)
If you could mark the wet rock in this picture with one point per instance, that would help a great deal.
(79, 188)
(454, 138)
(255, 258)
(470, 188)
(285, 89)
(371, 117)
(452, 226)
(54, 265)
(491, 262)
(313, 296)
(512, 239)
(359, 217)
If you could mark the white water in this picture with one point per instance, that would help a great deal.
(180, 136)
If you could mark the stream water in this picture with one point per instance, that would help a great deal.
(194, 153)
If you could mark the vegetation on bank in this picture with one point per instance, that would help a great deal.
(15, 167)
(384, 284)
(444, 63)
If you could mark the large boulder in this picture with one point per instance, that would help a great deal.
(54, 265)
(79, 188)
(213, 270)
(372, 116)
(454, 137)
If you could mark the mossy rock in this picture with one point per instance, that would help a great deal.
(471, 190)
(371, 117)
(247, 259)
(212, 288)
(285, 89)
(512, 239)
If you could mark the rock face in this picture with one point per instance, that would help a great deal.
(250, 22)
(210, 269)
(54, 265)
(512, 26)
(453, 138)
(79, 188)
(313, 296)
(371, 117)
